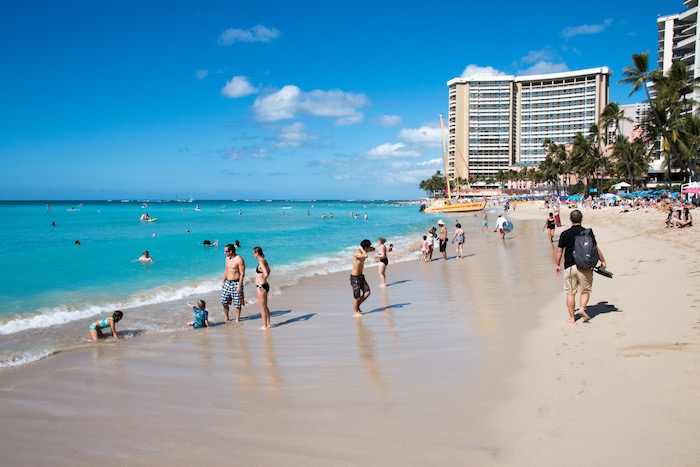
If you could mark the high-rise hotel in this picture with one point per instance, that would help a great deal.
(499, 121)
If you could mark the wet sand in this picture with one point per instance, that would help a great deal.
(457, 362)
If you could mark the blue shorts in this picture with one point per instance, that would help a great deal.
(229, 294)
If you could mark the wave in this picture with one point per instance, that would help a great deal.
(23, 359)
(285, 275)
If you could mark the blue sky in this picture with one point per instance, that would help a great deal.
(269, 100)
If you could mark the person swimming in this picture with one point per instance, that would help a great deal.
(107, 322)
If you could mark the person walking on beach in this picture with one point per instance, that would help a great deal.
(550, 224)
(443, 239)
(575, 278)
(263, 272)
(484, 223)
(459, 238)
(232, 285)
(500, 226)
(360, 288)
(201, 315)
(383, 260)
(108, 322)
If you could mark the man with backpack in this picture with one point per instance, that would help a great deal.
(581, 254)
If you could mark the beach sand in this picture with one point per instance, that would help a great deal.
(458, 362)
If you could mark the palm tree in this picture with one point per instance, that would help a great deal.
(612, 115)
(638, 76)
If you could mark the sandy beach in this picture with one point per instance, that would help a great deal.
(458, 362)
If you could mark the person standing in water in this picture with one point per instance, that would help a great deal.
(459, 239)
(360, 288)
(232, 284)
(383, 260)
(263, 272)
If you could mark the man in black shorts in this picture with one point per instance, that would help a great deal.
(360, 288)
(443, 239)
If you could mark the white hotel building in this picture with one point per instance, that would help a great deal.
(499, 121)
(679, 41)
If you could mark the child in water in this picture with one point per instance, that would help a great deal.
(110, 322)
(201, 315)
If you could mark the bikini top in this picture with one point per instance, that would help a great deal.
(258, 270)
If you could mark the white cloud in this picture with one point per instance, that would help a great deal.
(293, 135)
(239, 86)
(201, 74)
(544, 67)
(238, 153)
(585, 29)
(476, 70)
(388, 151)
(388, 120)
(257, 33)
(428, 135)
(411, 172)
(291, 101)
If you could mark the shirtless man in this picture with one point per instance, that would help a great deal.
(443, 239)
(360, 288)
(232, 285)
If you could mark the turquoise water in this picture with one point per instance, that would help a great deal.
(48, 281)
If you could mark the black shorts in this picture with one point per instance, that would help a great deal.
(359, 286)
(443, 245)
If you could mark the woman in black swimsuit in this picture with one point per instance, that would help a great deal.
(383, 261)
(550, 224)
(263, 271)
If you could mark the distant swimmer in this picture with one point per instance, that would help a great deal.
(145, 216)
(360, 288)
(331, 215)
(48, 207)
(201, 315)
(108, 322)
(240, 212)
(308, 213)
(77, 243)
(53, 224)
(237, 244)
(146, 257)
(323, 216)
(365, 216)
(210, 243)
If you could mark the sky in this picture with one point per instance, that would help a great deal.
(270, 100)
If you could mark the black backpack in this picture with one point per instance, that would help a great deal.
(585, 252)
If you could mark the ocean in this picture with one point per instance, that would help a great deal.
(52, 289)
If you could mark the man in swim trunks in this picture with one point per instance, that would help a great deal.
(232, 285)
(360, 288)
(443, 239)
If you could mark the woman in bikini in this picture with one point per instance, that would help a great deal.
(263, 272)
(383, 260)
(109, 322)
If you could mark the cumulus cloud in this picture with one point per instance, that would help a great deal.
(293, 135)
(390, 151)
(428, 135)
(411, 173)
(290, 101)
(544, 67)
(476, 70)
(239, 86)
(572, 31)
(387, 120)
(257, 33)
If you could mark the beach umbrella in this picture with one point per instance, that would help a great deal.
(693, 189)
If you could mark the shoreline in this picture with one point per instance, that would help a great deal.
(482, 370)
